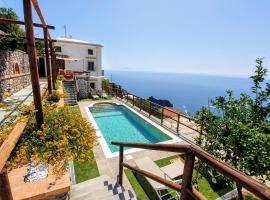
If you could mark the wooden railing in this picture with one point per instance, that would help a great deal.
(191, 152)
(152, 109)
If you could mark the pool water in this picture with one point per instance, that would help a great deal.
(118, 123)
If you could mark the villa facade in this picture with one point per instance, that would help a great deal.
(81, 57)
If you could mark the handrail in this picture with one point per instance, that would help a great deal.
(193, 192)
(123, 94)
(163, 181)
(159, 147)
(225, 169)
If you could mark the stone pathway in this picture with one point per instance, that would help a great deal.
(22, 97)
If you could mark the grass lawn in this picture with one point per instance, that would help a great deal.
(204, 186)
(139, 191)
(86, 170)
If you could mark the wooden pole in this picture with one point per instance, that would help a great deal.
(150, 109)
(48, 63)
(178, 121)
(187, 176)
(5, 190)
(54, 71)
(162, 114)
(31, 50)
(121, 158)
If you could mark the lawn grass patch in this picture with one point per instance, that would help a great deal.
(86, 170)
(139, 191)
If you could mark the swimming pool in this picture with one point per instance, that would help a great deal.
(118, 123)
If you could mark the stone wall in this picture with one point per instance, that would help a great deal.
(14, 71)
(84, 83)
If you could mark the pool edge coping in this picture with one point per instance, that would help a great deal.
(105, 148)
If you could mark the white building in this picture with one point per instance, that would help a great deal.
(80, 56)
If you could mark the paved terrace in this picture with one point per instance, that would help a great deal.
(22, 97)
(109, 166)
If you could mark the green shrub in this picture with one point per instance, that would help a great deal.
(54, 97)
(65, 135)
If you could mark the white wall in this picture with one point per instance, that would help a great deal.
(80, 51)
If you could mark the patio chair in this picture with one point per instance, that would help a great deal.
(93, 94)
(102, 94)
(161, 190)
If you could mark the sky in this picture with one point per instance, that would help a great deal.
(219, 37)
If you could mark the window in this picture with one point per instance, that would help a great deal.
(91, 66)
(17, 68)
(92, 85)
(90, 52)
(58, 49)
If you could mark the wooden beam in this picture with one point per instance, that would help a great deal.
(187, 176)
(5, 190)
(47, 58)
(121, 158)
(31, 49)
(11, 21)
(39, 13)
(228, 171)
(163, 181)
(160, 147)
(53, 66)
(9, 144)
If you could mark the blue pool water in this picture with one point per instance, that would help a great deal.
(117, 123)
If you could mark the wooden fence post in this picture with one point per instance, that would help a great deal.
(178, 121)
(187, 176)
(31, 50)
(133, 99)
(53, 66)
(162, 115)
(150, 109)
(5, 190)
(47, 56)
(121, 158)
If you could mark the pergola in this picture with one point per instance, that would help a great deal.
(31, 50)
(5, 192)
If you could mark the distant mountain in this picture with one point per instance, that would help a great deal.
(161, 102)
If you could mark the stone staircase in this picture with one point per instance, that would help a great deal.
(70, 96)
(100, 188)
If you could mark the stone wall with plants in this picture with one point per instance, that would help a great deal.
(14, 71)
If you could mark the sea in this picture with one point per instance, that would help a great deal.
(187, 92)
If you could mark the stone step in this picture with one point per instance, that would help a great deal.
(70, 96)
(100, 188)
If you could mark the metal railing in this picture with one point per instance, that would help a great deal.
(191, 152)
(163, 115)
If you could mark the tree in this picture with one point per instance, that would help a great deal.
(13, 36)
(13, 29)
(240, 133)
